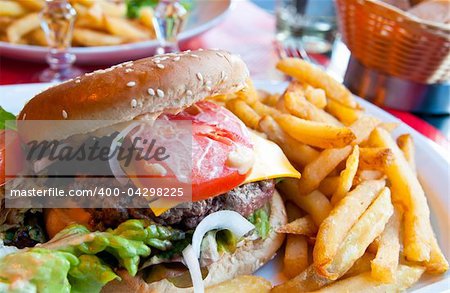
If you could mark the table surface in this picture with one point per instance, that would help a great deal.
(248, 31)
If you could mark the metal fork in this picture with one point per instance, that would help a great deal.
(294, 50)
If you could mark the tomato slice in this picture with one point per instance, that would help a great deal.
(216, 132)
(15, 161)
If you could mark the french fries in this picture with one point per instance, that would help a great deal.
(385, 264)
(347, 176)
(315, 204)
(335, 227)
(405, 277)
(301, 226)
(418, 238)
(365, 230)
(87, 37)
(406, 144)
(251, 284)
(317, 134)
(310, 74)
(242, 110)
(23, 26)
(299, 153)
(10, 8)
(297, 105)
(375, 235)
(295, 255)
(98, 23)
(375, 158)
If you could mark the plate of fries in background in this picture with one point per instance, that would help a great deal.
(104, 32)
(370, 212)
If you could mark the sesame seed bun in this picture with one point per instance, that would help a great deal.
(132, 90)
(244, 261)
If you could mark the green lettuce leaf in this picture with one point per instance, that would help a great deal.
(260, 218)
(4, 116)
(36, 270)
(71, 257)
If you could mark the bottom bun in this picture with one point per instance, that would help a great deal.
(244, 261)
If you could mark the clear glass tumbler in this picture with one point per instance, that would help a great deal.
(309, 24)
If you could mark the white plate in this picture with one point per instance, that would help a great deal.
(204, 15)
(433, 167)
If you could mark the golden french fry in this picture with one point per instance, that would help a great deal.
(123, 28)
(375, 158)
(87, 37)
(264, 110)
(249, 94)
(316, 96)
(87, 3)
(242, 110)
(33, 5)
(297, 105)
(310, 74)
(299, 153)
(344, 114)
(146, 18)
(251, 284)
(405, 277)
(301, 226)
(406, 144)
(317, 170)
(23, 26)
(113, 9)
(270, 100)
(306, 281)
(38, 37)
(418, 236)
(364, 231)
(360, 266)
(347, 176)
(317, 134)
(364, 175)
(342, 217)
(329, 185)
(385, 263)
(327, 161)
(9, 8)
(315, 204)
(295, 258)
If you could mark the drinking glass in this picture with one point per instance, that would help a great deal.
(57, 20)
(307, 24)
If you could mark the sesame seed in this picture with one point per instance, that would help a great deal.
(200, 49)
(176, 58)
(133, 103)
(77, 81)
(195, 56)
(160, 93)
(199, 76)
(151, 92)
(131, 83)
(64, 114)
(187, 51)
(189, 93)
(219, 54)
(163, 58)
(157, 60)
(160, 66)
(128, 70)
(129, 64)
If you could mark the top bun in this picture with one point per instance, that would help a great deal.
(137, 89)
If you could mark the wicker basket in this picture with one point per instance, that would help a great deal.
(393, 42)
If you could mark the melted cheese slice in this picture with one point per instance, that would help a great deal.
(270, 163)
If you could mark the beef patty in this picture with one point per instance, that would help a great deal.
(243, 199)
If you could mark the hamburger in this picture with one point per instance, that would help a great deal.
(227, 227)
